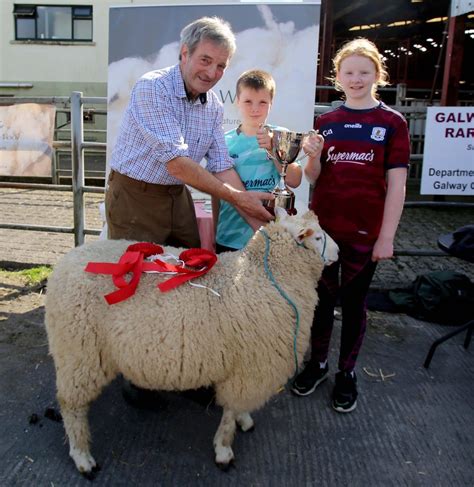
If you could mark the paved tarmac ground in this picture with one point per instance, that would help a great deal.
(413, 426)
(419, 229)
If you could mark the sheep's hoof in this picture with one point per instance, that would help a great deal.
(246, 429)
(224, 457)
(84, 461)
(225, 467)
(245, 422)
(92, 474)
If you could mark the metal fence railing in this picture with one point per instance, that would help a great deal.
(77, 146)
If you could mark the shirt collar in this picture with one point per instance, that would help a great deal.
(180, 88)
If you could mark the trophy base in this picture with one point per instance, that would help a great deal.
(285, 201)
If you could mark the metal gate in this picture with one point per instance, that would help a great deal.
(415, 115)
(77, 145)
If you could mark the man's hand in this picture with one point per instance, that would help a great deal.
(225, 185)
(250, 203)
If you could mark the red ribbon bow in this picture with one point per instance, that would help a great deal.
(132, 261)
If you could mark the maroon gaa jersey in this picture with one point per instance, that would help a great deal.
(359, 147)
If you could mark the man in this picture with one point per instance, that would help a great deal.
(173, 120)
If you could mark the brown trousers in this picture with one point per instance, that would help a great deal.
(158, 213)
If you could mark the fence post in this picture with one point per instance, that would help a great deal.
(77, 154)
(401, 94)
(54, 167)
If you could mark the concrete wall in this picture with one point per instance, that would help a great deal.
(57, 68)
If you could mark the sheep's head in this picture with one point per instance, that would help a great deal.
(306, 231)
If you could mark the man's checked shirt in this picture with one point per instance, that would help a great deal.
(161, 124)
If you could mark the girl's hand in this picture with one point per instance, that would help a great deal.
(313, 145)
(264, 139)
(383, 249)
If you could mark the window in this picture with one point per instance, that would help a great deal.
(53, 23)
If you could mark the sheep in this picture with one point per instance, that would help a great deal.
(242, 343)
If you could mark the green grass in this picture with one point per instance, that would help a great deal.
(32, 276)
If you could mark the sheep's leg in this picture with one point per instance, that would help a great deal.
(223, 439)
(245, 421)
(76, 425)
(81, 374)
(77, 430)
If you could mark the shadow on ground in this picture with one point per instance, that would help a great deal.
(412, 427)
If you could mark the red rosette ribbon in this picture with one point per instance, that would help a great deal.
(196, 263)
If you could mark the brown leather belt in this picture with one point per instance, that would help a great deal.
(144, 186)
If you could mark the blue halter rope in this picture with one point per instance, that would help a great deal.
(283, 294)
(324, 247)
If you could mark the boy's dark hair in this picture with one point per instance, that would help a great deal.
(256, 79)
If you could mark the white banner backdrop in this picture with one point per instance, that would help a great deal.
(279, 38)
(448, 158)
(26, 139)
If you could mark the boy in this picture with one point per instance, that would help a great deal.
(255, 90)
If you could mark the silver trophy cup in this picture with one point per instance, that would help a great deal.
(286, 145)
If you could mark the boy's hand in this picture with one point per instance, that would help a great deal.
(264, 139)
(313, 145)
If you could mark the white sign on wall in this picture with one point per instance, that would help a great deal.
(448, 159)
(26, 139)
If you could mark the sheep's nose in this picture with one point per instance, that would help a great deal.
(333, 256)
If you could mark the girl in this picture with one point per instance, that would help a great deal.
(358, 163)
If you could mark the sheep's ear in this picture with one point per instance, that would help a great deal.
(304, 233)
(280, 213)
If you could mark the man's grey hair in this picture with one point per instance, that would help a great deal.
(213, 29)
